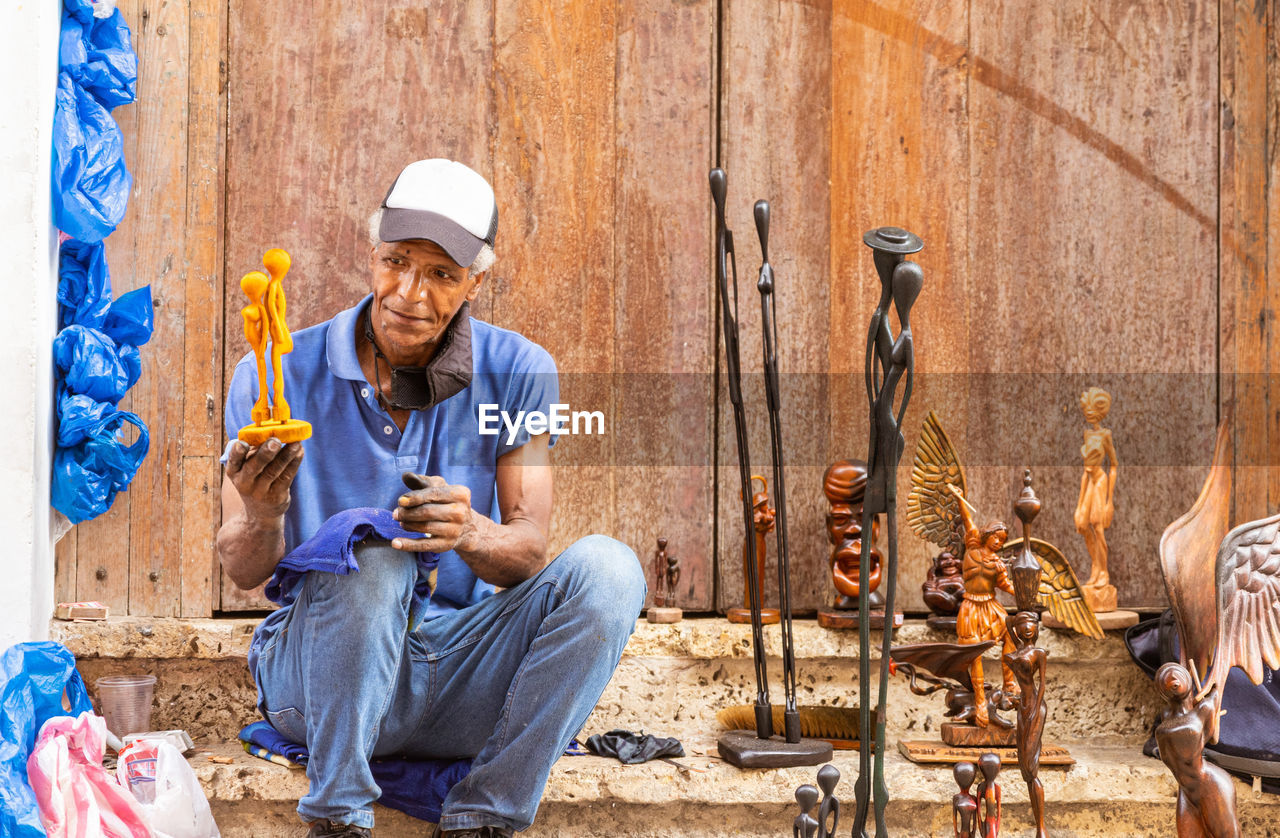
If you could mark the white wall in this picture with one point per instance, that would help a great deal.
(28, 294)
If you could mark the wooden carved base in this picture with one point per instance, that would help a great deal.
(1108, 620)
(940, 623)
(972, 736)
(834, 618)
(657, 614)
(936, 752)
(768, 616)
(743, 749)
(1101, 598)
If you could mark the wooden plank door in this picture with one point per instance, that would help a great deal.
(581, 116)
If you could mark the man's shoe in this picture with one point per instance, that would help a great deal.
(327, 829)
(478, 832)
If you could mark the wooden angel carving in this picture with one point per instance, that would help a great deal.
(934, 514)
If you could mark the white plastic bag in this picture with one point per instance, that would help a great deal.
(166, 789)
(76, 796)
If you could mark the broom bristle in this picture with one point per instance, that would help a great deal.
(816, 721)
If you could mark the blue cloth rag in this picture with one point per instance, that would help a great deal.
(332, 549)
(416, 787)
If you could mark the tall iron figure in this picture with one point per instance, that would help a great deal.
(726, 279)
(769, 325)
(889, 364)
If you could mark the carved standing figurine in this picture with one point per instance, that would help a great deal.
(264, 317)
(1029, 663)
(981, 617)
(1095, 507)
(890, 363)
(964, 806)
(989, 795)
(763, 519)
(1206, 795)
(666, 574)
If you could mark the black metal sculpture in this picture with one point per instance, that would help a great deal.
(769, 326)
(726, 279)
(889, 363)
(739, 747)
(828, 820)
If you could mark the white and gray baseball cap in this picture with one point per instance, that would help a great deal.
(441, 201)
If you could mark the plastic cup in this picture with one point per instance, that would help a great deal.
(126, 702)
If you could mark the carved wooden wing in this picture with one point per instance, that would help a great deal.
(1248, 574)
(1059, 589)
(932, 511)
(1188, 549)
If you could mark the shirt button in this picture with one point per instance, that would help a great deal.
(387, 430)
(364, 392)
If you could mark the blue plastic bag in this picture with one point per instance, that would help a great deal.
(87, 476)
(98, 54)
(90, 363)
(90, 182)
(131, 318)
(32, 679)
(84, 285)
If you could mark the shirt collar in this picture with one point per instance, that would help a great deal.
(340, 343)
(449, 371)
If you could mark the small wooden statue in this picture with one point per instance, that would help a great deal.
(989, 795)
(264, 318)
(964, 805)
(981, 617)
(666, 574)
(1206, 794)
(1029, 663)
(844, 484)
(1095, 506)
(943, 590)
(764, 517)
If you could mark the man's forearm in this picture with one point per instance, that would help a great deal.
(504, 554)
(250, 549)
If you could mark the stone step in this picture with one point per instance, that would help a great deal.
(1111, 791)
(671, 681)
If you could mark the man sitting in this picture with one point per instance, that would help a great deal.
(506, 658)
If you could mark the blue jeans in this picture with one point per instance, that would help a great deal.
(508, 681)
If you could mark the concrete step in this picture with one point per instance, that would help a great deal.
(671, 681)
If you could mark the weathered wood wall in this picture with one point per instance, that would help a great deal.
(1092, 182)
(151, 553)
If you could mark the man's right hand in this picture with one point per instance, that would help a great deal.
(263, 476)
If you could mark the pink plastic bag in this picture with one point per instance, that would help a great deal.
(77, 798)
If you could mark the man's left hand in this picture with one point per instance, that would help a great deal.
(441, 512)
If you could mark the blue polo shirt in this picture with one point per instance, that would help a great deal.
(356, 453)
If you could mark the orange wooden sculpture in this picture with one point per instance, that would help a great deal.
(264, 321)
(764, 518)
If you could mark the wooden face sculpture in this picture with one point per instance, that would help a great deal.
(845, 484)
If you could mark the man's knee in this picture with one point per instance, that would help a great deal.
(386, 576)
(606, 571)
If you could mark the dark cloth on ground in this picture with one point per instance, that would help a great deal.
(416, 787)
(634, 748)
